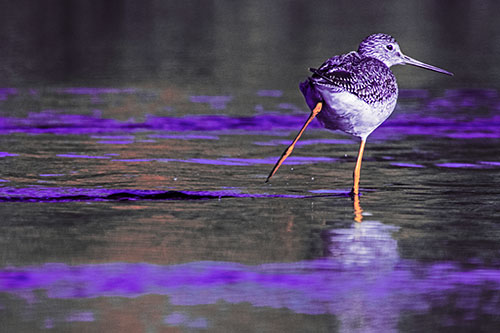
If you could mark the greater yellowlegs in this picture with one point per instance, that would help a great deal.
(355, 92)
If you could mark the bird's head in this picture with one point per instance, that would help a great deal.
(385, 48)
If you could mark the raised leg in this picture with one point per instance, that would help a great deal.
(357, 169)
(289, 150)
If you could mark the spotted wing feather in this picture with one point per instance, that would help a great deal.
(367, 78)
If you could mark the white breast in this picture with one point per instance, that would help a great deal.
(346, 112)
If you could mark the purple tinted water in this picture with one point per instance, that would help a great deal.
(184, 136)
(164, 213)
(72, 194)
(399, 125)
(82, 156)
(364, 266)
(215, 102)
(460, 165)
(270, 93)
(306, 142)
(186, 106)
(211, 282)
(407, 165)
(5, 154)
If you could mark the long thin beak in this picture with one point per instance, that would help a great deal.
(411, 61)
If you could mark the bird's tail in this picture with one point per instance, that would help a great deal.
(310, 93)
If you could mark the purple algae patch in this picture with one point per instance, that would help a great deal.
(175, 318)
(184, 136)
(134, 160)
(460, 165)
(305, 142)
(270, 93)
(5, 154)
(318, 286)
(199, 322)
(292, 160)
(115, 142)
(5, 92)
(180, 319)
(332, 191)
(270, 123)
(54, 122)
(454, 99)
(413, 93)
(48, 323)
(457, 128)
(50, 121)
(72, 194)
(215, 161)
(96, 91)
(113, 137)
(473, 135)
(80, 317)
(82, 156)
(291, 107)
(492, 163)
(407, 165)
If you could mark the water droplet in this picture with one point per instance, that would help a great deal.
(312, 178)
(175, 178)
(291, 169)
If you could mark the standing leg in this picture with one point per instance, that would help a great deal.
(289, 150)
(357, 169)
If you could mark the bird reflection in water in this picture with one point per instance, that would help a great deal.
(363, 244)
(358, 211)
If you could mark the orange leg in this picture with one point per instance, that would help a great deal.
(289, 150)
(357, 169)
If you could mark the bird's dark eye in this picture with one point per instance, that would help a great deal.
(389, 47)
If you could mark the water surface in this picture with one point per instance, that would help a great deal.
(164, 219)
(134, 146)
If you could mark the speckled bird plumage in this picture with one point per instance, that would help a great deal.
(360, 74)
(367, 78)
(355, 92)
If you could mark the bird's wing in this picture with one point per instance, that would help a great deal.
(367, 78)
(335, 70)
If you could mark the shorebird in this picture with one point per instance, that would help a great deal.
(355, 92)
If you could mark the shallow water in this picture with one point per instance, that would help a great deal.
(134, 146)
(161, 218)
